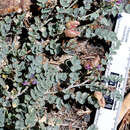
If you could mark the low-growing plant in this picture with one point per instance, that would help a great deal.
(33, 81)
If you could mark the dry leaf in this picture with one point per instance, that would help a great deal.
(51, 122)
(90, 61)
(14, 105)
(125, 107)
(100, 98)
(96, 61)
(98, 95)
(82, 112)
(44, 59)
(94, 26)
(3, 62)
(75, 6)
(71, 33)
(43, 119)
(60, 60)
(51, 3)
(16, 42)
(72, 24)
(71, 29)
(125, 121)
(6, 87)
(9, 6)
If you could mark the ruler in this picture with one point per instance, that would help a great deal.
(107, 118)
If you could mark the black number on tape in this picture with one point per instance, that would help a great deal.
(109, 102)
(113, 83)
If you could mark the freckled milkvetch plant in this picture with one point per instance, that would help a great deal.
(32, 76)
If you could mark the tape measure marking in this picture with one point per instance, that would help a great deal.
(107, 118)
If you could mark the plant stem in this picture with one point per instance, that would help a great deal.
(75, 1)
(70, 87)
(19, 93)
(77, 85)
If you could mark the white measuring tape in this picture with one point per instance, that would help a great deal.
(107, 118)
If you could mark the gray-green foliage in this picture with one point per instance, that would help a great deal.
(53, 47)
(27, 85)
(2, 117)
(92, 127)
(127, 7)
